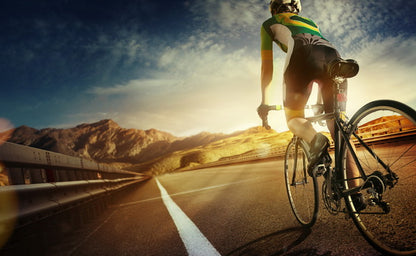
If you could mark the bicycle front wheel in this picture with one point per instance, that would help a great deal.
(302, 189)
(384, 134)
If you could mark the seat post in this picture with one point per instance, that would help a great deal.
(340, 102)
(339, 70)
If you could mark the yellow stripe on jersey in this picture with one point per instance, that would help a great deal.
(291, 19)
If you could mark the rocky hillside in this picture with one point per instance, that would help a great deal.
(256, 140)
(149, 151)
(105, 141)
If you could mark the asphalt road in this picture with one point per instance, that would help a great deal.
(233, 210)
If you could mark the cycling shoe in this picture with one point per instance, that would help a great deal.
(319, 147)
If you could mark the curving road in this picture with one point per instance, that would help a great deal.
(233, 210)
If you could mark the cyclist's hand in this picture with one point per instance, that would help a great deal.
(263, 111)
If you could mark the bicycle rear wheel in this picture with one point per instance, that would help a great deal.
(302, 189)
(388, 129)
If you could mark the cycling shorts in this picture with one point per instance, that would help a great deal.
(307, 64)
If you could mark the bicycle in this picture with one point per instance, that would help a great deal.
(387, 181)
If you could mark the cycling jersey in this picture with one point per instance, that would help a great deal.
(299, 27)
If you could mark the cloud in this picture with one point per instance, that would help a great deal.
(209, 80)
(200, 86)
(386, 71)
(133, 87)
(232, 18)
(348, 24)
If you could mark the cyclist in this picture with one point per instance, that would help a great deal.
(308, 54)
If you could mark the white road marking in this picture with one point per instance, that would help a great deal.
(195, 242)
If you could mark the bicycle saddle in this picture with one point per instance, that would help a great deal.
(343, 68)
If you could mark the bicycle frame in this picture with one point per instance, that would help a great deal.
(342, 132)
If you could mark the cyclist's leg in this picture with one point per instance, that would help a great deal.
(304, 67)
(298, 125)
(328, 98)
(297, 83)
(352, 170)
(294, 103)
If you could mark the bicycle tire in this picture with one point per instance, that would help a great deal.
(389, 228)
(302, 189)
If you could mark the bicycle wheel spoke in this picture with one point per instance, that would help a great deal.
(409, 177)
(388, 221)
(403, 155)
(407, 164)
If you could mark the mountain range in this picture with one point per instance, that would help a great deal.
(139, 150)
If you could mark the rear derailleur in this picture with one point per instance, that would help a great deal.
(375, 186)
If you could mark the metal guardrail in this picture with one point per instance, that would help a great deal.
(398, 125)
(39, 183)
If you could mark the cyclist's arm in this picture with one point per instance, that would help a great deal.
(266, 78)
(266, 65)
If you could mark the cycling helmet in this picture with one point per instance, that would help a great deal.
(279, 6)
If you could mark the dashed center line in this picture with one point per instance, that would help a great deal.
(195, 242)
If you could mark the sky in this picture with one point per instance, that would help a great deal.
(182, 67)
